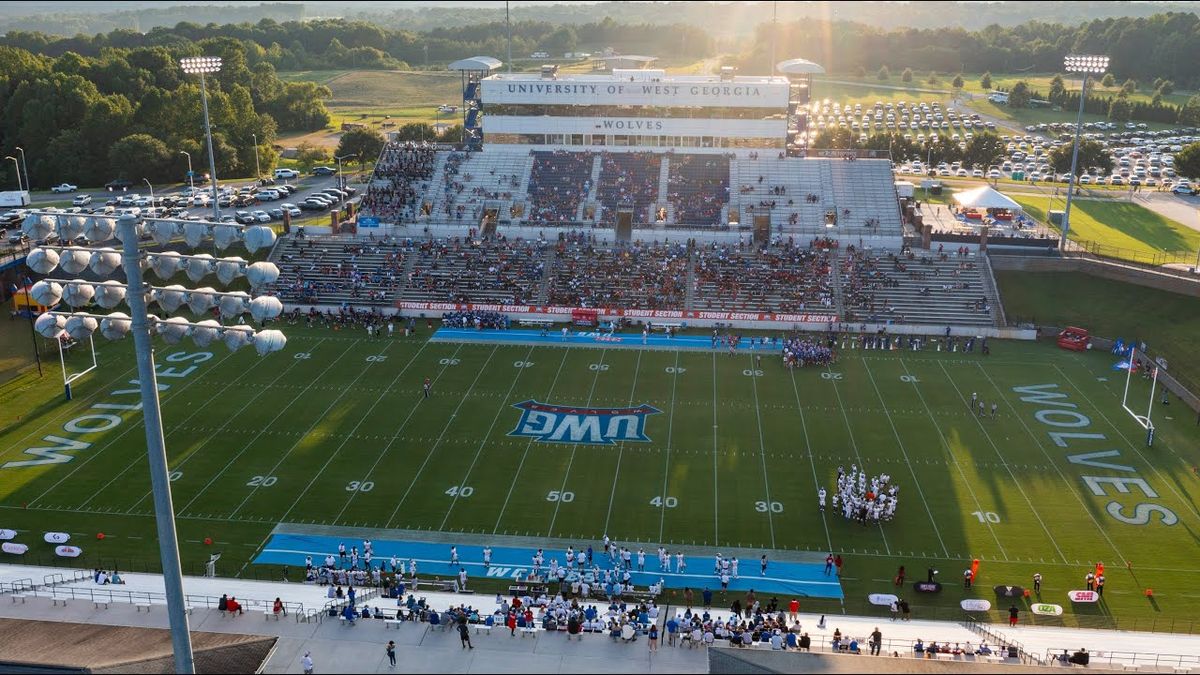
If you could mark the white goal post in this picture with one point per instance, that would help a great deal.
(1144, 420)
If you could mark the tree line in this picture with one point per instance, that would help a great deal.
(132, 112)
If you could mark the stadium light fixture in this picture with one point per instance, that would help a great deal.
(1087, 64)
(202, 65)
(78, 293)
(18, 167)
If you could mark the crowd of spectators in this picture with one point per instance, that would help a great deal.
(628, 179)
(476, 319)
(559, 182)
(469, 270)
(641, 275)
(781, 277)
(363, 271)
(398, 181)
(698, 187)
(459, 202)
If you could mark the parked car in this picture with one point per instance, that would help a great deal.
(266, 195)
(1183, 189)
(81, 200)
(64, 187)
(324, 171)
(243, 217)
(119, 184)
(285, 189)
(313, 205)
(260, 216)
(275, 214)
(292, 209)
(287, 174)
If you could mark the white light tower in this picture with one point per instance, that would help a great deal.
(1088, 65)
(18, 168)
(201, 65)
(78, 293)
(25, 168)
(257, 171)
(191, 183)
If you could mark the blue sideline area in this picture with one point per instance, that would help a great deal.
(782, 578)
(591, 338)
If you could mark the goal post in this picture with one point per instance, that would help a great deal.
(1144, 421)
(68, 378)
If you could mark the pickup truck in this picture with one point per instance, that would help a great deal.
(65, 187)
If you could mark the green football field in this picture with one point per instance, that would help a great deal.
(335, 430)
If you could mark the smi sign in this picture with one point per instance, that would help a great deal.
(551, 423)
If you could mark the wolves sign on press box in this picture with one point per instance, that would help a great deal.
(551, 423)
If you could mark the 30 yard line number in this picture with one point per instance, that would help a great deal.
(773, 507)
(360, 486)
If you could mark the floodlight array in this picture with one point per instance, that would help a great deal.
(195, 65)
(1084, 63)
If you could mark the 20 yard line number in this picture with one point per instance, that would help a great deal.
(262, 481)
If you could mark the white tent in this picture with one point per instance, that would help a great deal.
(985, 197)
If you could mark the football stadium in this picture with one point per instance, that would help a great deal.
(631, 342)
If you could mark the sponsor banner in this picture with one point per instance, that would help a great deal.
(13, 548)
(927, 587)
(368, 222)
(1046, 609)
(882, 599)
(5, 535)
(975, 605)
(68, 551)
(57, 537)
(1083, 596)
(1009, 591)
(650, 314)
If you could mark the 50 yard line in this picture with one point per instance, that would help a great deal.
(621, 452)
(575, 447)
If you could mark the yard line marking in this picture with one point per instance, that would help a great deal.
(433, 448)
(499, 410)
(528, 445)
(621, 451)
(175, 427)
(1005, 464)
(716, 493)
(911, 470)
(347, 437)
(762, 451)
(1169, 483)
(1037, 441)
(263, 430)
(575, 447)
(854, 444)
(957, 465)
(667, 462)
(812, 462)
(109, 442)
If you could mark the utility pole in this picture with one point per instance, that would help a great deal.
(508, 25)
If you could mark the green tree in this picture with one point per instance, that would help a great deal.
(451, 134)
(365, 144)
(1108, 81)
(983, 150)
(1019, 95)
(1128, 86)
(884, 74)
(1187, 161)
(957, 83)
(907, 75)
(1189, 114)
(1166, 88)
(835, 139)
(416, 131)
(1091, 155)
(860, 72)
(309, 155)
(138, 156)
(933, 78)
(1157, 99)
(1058, 89)
(986, 81)
(1120, 109)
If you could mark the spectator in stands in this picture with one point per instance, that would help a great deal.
(278, 607)
(234, 607)
(223, 603)
(349, 614)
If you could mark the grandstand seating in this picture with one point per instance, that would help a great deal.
(790, 190)
(335, 270)
(865, 194)
(469, 182)
(457, 271)
(401, 177)
(643, 276)
(558, 184)
(699, 187)
(923, 287)
(630, 180)
(780, 278)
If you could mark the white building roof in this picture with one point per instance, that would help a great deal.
(799, 67)
(477, 64)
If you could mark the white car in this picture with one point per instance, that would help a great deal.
(287, 174)
(261, 216)
(81, 200)
(1182, 189)
(64, 187)
(267, 196)
(291, 209)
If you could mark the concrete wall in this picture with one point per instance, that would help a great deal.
(1107, 270)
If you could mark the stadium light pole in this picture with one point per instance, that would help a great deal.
(201, 65)
(191, 183)
(147, 181)
(1087, 65)
(25, 168)
(257, 171)
(341, 181)
(20, 187)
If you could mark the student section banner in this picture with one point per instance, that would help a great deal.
(652, 314)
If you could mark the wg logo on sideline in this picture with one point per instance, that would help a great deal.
(551, 423)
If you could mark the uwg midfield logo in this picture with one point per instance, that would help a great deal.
(550, 423)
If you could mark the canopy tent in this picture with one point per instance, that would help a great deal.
(985, 197)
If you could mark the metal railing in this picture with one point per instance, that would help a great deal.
(117, 595)
(1129, 660)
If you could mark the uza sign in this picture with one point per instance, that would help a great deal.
(550, 423)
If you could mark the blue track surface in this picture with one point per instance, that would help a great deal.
(590, 339)
(783, 578)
